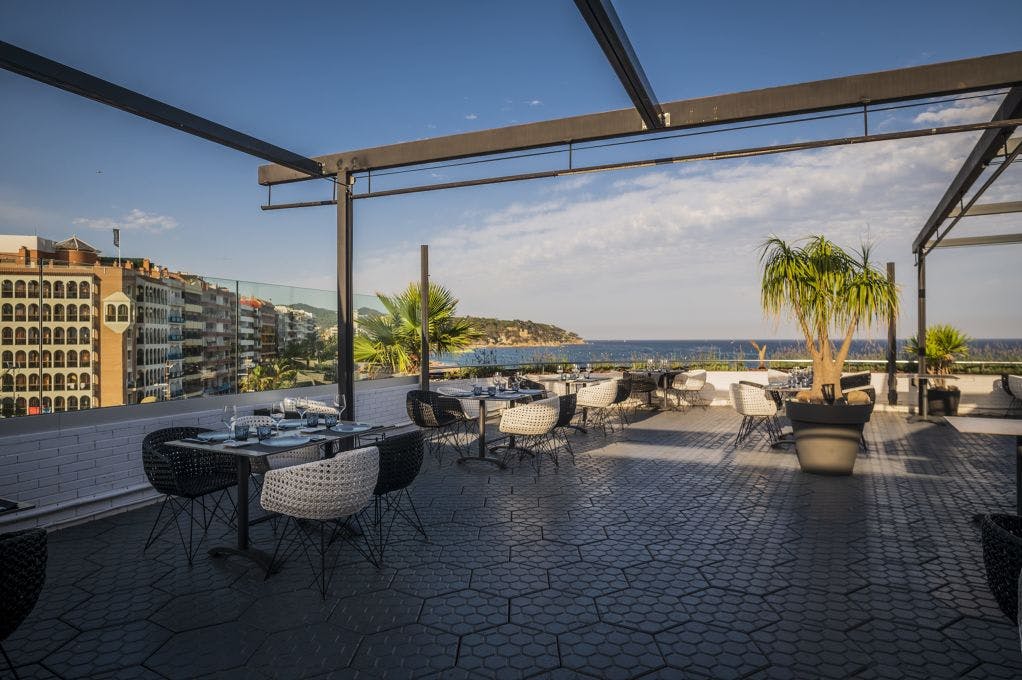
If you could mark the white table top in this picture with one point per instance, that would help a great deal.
(1004, 426)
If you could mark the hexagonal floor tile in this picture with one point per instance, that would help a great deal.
(306, 652)
(116, 607)
(919, 608)
(475, 554)
(35, 640)
(669, 578)
(817, 608)
(544, 554)
(207, 650)
(508, 652)
(408, 652)
(432, 579)
(199, 610)
(814, 652)
(464, 611)
(643, 610)
(508, 580)
(620, 554)
(587, 578)
(725, 609)
(898, 649)
(553, 611)
(711, 651)
(282, 611)
(107, 649)
(609, 652)
(377, 611)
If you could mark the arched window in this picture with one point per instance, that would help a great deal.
(83, 335)
(20, 359)
(58, 404)
(8, 359)
(58, 359)
(7, 407)
(122, 312)
(7, 312)
(19, 289)
(58, 312)
(33, 312)
(72, 336)
(47, 382)
(58, 289)
(21, 382)
(33, 382)
(72, 382)
(33, 403)
(47, 359)
(58, 382)
(33, 336)
(58, 336)
(84, 358)
(8, 382)
(72, 289)
(47, 313)
(33, 359)
(20, 336)
(20, 406)
(83, 312)
(7, 336)
(72, 313)
(47, 336)
(47, 405)
(83, 290)
(111, 313)
(7, 289)
(33, 289)
(85, 403)
(72, 359)
(83, 381)
(19, 312)
(47, 289)
(72, 403)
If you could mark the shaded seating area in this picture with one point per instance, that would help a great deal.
(22, 574)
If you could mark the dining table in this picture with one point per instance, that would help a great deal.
(996, 426)
(7, 506)
(509, 397)
(244, 453)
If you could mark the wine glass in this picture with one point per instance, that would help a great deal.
(227, 418)
(341, 403)
(277, 413)
(301, 407)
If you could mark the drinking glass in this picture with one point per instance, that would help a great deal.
(301, 407)
(227, 418)
(277, 413)
(263, 432)
(330, 420)
(341, 403)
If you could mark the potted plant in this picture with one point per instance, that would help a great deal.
(826, 289)
(944, 345)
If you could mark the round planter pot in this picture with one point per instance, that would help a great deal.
(1002, 557)
(827, 437)
(943, 401)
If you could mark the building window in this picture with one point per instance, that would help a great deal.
(72, 359)
(84, 381)
(122, 312)
(7, 312)
(58, 336)
(72, 289)
(21, 382)
(85, 358)
(47, 313)
(72, 382)
(33, 289)
(111, 313)
(20, 338)
(83, 290)
(33, 382)
(20, 312)
(47, 288)
(58, 312)
(83, 312)
(58, 289)
(58, 404)
(58, 359)
(72, 313)
(21, 359)
(33, 312)
(7, 289)
(58, 382)
(47, 382)
(47, 359)
(33, 336)
(72, 403)
(33, 359)
(83, 335)
(72, 336)
(19, 289)
(47, 336)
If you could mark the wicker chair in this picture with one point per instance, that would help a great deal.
(531, 426)
(618, 408)
(566, 413)
(643, 387)
(597, 403)
(186, 476)
(442, 417)
(23, 570)
(319, 499)
(690, 389)
(1012, 386)
(400, 462)
(757, 409)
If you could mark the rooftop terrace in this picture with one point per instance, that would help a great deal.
(659, 553)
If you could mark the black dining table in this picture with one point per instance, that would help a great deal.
(510, 397)
(243, 455)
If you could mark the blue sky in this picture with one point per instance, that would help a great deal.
(656, 254)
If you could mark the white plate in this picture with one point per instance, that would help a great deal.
(213, 436)
(281, 442)
(353, 428)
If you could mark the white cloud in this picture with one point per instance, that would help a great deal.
(534, 102)
(471, 116)
(972, 111)
(136, 220)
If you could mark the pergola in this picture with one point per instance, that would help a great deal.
(647, 116)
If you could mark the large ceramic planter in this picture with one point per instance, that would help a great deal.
(943, 401)
(827, 437)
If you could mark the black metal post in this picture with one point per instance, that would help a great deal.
(345, 298)
(921, 334)
(424, 320)
(892, 347)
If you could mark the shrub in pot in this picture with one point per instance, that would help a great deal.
(944, 345)
(826, 290)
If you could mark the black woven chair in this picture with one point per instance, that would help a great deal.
(1002, 557)
(22, 573)
(442, 417)
(567, 404)
(527, 384)
(187, 476)
(400, 462)
(643, 387)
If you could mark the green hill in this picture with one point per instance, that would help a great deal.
(503, 332)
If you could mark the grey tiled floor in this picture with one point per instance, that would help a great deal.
(659, 553)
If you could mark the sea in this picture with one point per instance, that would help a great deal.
(622, 352)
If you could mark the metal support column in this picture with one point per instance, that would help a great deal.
(345, 298)
(424, 320)
(892, 347)
(921, 335)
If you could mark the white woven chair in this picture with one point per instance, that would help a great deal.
(597, 403)
(1014, 390)
(531, 427)
(688, 387)
(774, 376)
(310, 406)
(757, 409)
(318, 500)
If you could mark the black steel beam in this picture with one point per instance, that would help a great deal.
(995, 240)
(932, 80)
(987, 147)
(610, 34)
(58, 75)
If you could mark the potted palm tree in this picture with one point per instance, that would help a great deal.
(944, 345)
(826, 290)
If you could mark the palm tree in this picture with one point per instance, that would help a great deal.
(392, 340)
(944, 345)
(276, 375)
(825, 289)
